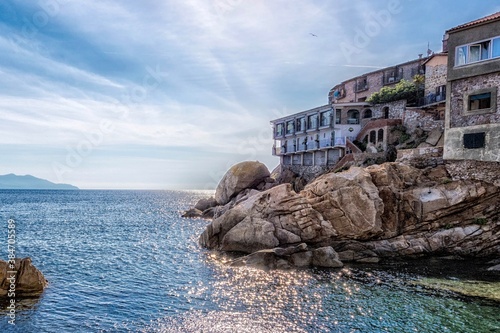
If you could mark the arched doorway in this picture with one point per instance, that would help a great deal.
(386, 112)
(353, 116)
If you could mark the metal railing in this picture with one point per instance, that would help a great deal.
(312, 145)
(431, 98)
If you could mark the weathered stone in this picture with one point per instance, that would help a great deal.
(238, 178)
(204, 204)
(192, 213)
(349, 201)
(326, 257)
(434, 136)
(365, 214)
(302, 259)
(290, 250)
(29, 281)
(251, 234)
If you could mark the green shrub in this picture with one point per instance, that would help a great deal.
(480, 220)
(402, 90)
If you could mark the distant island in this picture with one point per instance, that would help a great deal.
(28, 182)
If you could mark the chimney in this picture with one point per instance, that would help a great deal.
(445, 42)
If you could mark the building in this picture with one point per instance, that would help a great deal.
(472, 126)
(322, 136)
(358, 89)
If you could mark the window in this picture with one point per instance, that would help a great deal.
(301, 124)
(361, 84)
(380, 135)
(474, 140)
(367, 113)
(325, 118)
(480, 101)
(353, 117)
(338, 114)
(496, 48)
(461, 57)
(480, 51)
(477, 51)
(279, 129)
(373, 137)
(312, 122)
(289, 127)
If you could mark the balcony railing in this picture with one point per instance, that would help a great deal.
(360, 86)
(393, 76)
(312, 145)
(431, 99)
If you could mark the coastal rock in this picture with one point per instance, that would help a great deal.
(239, 177)
(29, 281)
(326, 257)
(250, 235)
(293, 256)
(204, 204)
(349, 201)
(365, 214)
(192, 213)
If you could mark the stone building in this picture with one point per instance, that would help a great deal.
(472, 127)
(359, 88)
(323, 135)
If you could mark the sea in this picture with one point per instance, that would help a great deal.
(126, 261)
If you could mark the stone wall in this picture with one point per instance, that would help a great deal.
(375, 81)
(435, 76)
(425, 119)
(479, 170)
(421, 157)
(459, 91)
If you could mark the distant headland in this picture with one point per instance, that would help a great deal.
(28, 182)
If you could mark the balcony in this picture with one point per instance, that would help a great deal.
(360, 86)
(432, 99)
(393, 76)
(312, 145)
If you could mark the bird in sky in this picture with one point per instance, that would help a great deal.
(312, 34)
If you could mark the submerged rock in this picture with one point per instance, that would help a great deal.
(26, 279)
(294, 256)
(482, 289)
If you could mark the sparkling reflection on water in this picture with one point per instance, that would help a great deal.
(123, 261)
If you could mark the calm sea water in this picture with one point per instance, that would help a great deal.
(124, 261)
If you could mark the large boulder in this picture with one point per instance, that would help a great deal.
(25, 278)
(349, 200)
(239, 177)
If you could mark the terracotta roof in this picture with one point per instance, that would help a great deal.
(480, 21)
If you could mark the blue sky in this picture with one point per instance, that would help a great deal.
(168, 94)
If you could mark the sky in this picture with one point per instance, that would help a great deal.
(168, 94)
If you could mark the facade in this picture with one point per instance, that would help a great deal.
(436, 68)
(472, 127)
(358, 89)
(316, 137)
(460, 95)
(323, 135)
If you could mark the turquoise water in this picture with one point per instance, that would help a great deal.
(124, 261)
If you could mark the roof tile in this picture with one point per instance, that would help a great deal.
(485, 19)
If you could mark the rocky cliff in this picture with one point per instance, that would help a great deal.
(362, 214)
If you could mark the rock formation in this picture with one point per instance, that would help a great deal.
(241, 176)
(364, 214)
(29, 281)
